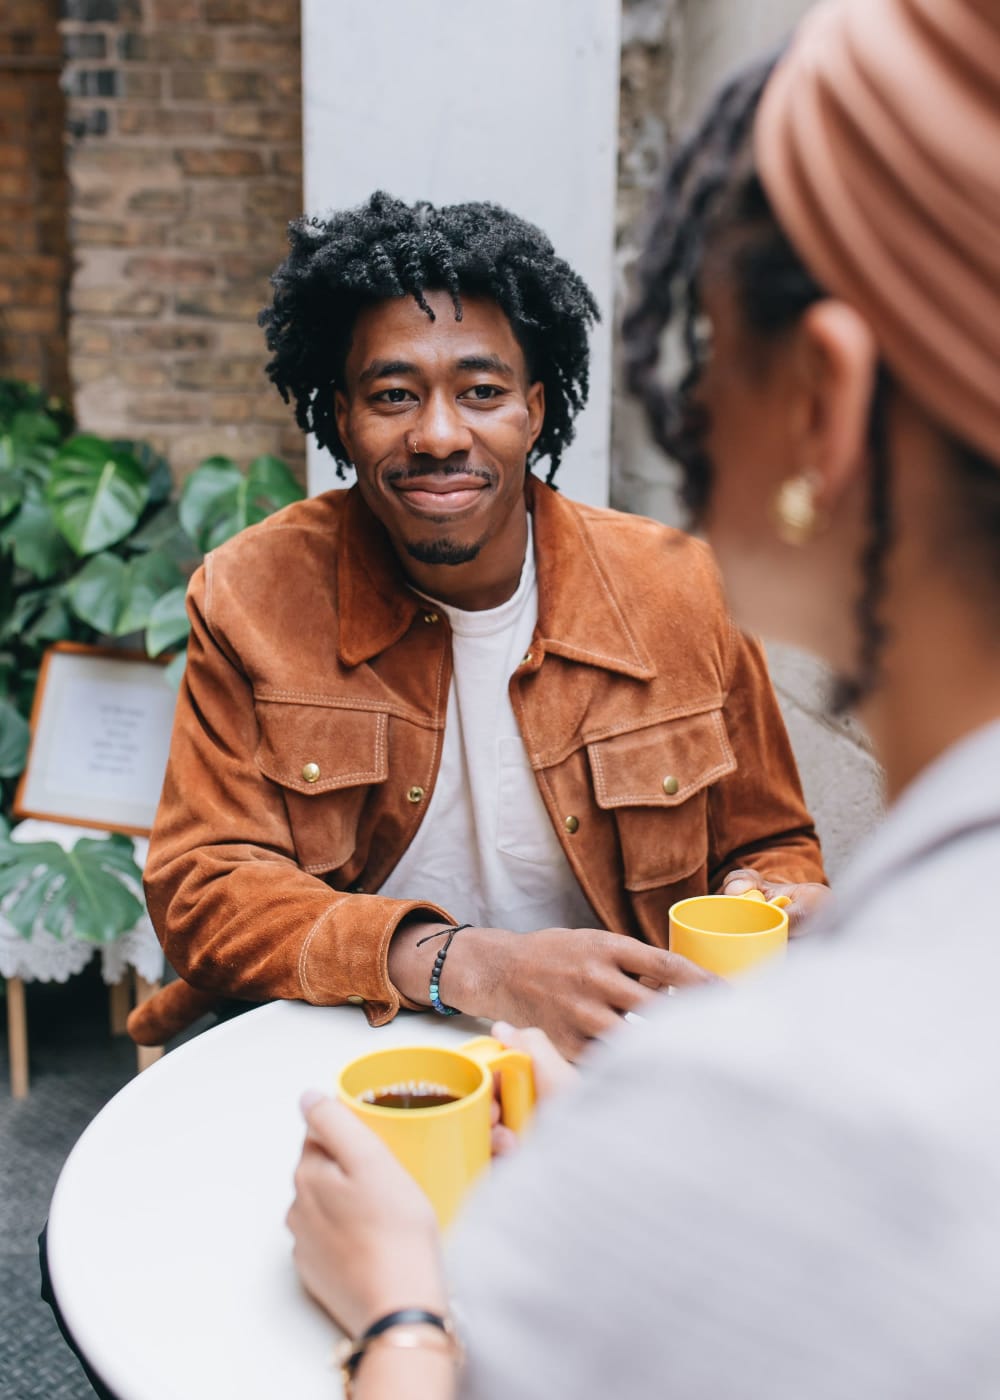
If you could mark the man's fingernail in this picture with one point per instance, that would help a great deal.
(309, 1100)
(739, 886)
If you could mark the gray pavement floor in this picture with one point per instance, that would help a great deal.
(76, 1066)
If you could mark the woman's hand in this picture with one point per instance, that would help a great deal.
(366, 1238)
(804, 901)
(553, 1075)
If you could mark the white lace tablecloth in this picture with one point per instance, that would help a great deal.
(45, 958)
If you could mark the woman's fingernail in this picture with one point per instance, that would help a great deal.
(739, 886)
(309, 1100)
(502, 1030)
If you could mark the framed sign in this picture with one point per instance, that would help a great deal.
(100, 733)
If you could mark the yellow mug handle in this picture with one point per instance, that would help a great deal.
(779, 901)
(517, 1078)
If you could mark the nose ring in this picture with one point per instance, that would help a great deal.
(414, 448)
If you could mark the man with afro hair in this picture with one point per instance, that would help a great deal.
(447, 739)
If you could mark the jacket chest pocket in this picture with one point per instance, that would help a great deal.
(656, 782)
(325, 760)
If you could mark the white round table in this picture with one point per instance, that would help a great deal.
(167, 1246)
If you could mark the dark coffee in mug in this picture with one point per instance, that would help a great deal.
(415, 1094)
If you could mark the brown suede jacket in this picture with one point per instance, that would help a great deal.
(308, 735)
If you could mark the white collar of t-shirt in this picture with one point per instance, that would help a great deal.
(486, 849)
(487, 622)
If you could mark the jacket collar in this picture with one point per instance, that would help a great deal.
(580, 613)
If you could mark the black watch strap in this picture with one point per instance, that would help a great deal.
(402, 1317)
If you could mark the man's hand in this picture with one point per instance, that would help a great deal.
(575, 984)
(366, 1239)
(803, 900)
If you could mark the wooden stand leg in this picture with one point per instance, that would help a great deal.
(17, 1038)
(146, 1055)
(119, 1004)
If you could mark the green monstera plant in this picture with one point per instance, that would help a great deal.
(95, 546)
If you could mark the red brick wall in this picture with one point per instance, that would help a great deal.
(34, 253)
(185, 165)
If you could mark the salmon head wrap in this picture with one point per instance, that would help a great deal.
(878, 142)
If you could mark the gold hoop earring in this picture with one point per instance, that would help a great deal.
(797, 517)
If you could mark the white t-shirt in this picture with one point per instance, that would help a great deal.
(486, 849)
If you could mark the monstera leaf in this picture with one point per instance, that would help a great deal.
(38, 547)
(155, 467)
(14, 735)
(168, 624)
(38, 617)
(163, 532)
(217, 500)
(87, 892)
(28, 442)
(97, 492)
(116, 597)
(174, 672)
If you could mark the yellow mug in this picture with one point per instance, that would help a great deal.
(444, 1147)
(726, 933)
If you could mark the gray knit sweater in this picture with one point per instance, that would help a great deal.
(788, 1189)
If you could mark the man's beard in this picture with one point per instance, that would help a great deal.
(443, 551)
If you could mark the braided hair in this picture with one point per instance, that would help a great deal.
(712, 200)
(387, 249)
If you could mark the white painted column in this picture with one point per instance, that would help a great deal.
(454, 100)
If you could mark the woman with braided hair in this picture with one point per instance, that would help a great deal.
(792, 1190)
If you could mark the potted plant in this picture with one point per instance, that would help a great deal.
(95, 546)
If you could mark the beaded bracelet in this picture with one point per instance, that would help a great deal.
(435, 986)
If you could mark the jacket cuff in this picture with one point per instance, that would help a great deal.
(783, 867)
(345, 955)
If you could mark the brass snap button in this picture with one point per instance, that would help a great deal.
(430, 617)
(310, 772)
(572, 824)
(415, 794)
(670, 785)
(355, 1000)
